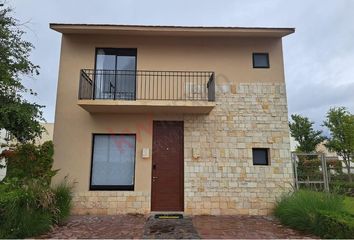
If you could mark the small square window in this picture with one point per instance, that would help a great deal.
(260, 60)
(260, 156)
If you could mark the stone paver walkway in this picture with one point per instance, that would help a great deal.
(120, 226)
(140, 226)
(170, 229)
(244, 227)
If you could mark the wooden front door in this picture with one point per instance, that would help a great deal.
(167, 166)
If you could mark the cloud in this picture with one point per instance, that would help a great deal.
(318, 57)
(318, 95)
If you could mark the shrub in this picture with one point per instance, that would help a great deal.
(30, 210)
(63, 200)
(323, 214)
(334, 225)
(349, 205)
(29, 161)
(299, 209)
(309, 168)
(19, 214)
(335, 165)
(342, 187)
(28, 205)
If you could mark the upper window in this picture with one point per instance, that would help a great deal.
(260, 60)
(260, 156)
(115, 58)
(113, 162)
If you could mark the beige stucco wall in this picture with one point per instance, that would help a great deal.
(230, 58)
(47, 135)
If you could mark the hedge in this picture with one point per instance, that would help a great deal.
(334, 225)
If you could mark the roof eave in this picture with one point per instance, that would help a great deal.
(169, 30)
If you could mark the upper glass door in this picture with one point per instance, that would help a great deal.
(115, 76)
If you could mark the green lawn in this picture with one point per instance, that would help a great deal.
(349, 204)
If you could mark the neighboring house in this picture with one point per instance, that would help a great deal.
(2, 170)
(4, 136)
(293, 144)
(7, 139)
(322, 149)
(161, 119)
(47, 135)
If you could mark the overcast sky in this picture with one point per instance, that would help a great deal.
(319, 57)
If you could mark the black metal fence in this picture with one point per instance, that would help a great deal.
(146, 85)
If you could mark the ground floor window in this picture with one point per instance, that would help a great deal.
(113, 162)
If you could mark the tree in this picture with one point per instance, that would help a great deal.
(301, 129)
(341, 126)
(18, 116)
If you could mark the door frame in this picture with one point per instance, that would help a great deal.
(181, 123)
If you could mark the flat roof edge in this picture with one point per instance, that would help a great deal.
(69, 28)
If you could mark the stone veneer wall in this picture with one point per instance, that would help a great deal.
(111, 202)
(223, 179)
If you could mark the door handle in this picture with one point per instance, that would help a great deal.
(154, 179)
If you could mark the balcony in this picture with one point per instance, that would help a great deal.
(129, 91)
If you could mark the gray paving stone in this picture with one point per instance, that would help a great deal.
(170, 229)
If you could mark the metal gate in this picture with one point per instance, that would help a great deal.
(310, 171)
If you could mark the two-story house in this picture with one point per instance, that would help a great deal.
(172, 119)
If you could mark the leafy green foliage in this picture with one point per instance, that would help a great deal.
(29, 161)
(331, 224)
(341, 126)
(309, 170)
(342, 187)
(18, 116)
(320, 213)
(30, 210)
(335, 165)
(63, 200)
(28, 205)
(299, 209)
(301, 129)
(20, 215)
(349, 204)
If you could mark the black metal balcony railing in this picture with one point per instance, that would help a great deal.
(146, 85)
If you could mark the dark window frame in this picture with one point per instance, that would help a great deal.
(111, 187)
(267, 157)
(260, 53)
(120, 52)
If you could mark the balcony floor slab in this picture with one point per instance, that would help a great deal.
(146, 106)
